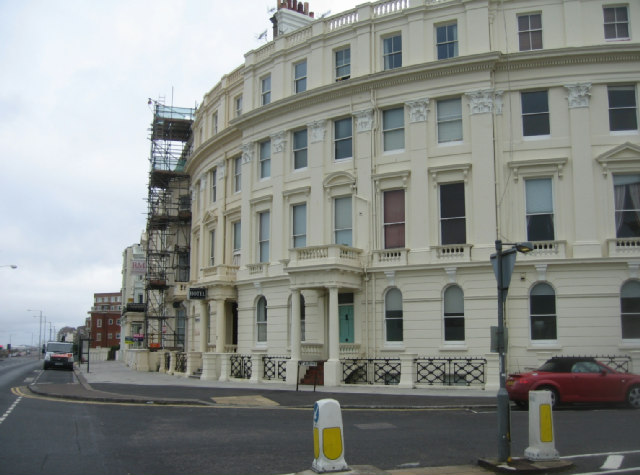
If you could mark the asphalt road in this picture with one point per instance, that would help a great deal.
(40, 436)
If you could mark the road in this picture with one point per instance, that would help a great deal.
(40, 436)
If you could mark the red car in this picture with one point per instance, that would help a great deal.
(572, 379)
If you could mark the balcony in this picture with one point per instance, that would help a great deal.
(390, 257)
(318, 266)
(546, 250)
(452, 253)
(623, 247)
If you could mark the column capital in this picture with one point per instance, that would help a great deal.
(418, 110)
(364, 120)
(481, 102)
(579, 94)
(278, 142)
(317, 130)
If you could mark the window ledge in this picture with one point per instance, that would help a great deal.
(630, 345)
(454, 347)
(450, 144)
(391, 347)
(551, 345)
(527, 138)
(618, 133)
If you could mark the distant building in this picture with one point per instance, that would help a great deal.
(133, 295)
(105, 319)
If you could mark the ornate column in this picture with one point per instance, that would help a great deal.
(292, 363)
(204, 325)
(221, 326)
(332, 366)
(481, 136)
(586, 242)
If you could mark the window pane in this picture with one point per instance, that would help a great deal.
(453, 301)
(343, 221)
(300, 149)
(393, 119)
(454, 329)
(539, 197)
(452, 200)
(343, 212)
(533, 102)
(343, 128)
(540, 227)
(300, 225)
(237, 235)
(449, 120)
(394, 329)
(543, 327)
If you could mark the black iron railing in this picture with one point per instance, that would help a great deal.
(240, 366)
(371, 371)
(275, 367)
(450, 371)
(181, 362)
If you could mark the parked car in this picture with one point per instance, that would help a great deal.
(572, 379)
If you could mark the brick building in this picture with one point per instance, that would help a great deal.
(105, 319)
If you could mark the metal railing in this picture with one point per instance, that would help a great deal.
(167, 361)
(371, 371)
(240, 366)
(275, 367)
(450, 371)
(181, 362)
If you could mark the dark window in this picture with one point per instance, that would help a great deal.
(393, 315)
(535, 113)
(447, 41)
(343, 63)
(626, 190)
(261, 320)
(300, 77)
(394, 219)
(630, 310)
(622, 108)
(452, 214)
(343, 139)
(530, 32)
(539, 209)
(616, 23)
(542, 303)
(392, 52)
(453, 314)
(300, 149)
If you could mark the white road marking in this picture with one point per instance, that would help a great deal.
(613, 462)
(10, 410)
(620, 452)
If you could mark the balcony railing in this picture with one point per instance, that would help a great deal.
(332, 254)
(453, 252)
(390, 257)
(622, 247)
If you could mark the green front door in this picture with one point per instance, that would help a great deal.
(346, 323)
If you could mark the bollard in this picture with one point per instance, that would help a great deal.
(541, 437)
(328, 443)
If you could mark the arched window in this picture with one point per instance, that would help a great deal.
(542, 305)
(453, 314)
(630, 310)
(393, 315)
(261, 320)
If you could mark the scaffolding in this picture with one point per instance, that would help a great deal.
(168, 225)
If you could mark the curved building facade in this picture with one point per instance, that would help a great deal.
(349, 182)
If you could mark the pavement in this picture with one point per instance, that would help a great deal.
(114, 382)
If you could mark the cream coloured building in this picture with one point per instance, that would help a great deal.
(350, 179)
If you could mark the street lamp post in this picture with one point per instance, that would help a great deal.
(40, 336)
(503, 262)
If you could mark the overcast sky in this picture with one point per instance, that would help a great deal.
(74, 83)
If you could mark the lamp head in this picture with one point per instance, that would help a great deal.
(524, 247)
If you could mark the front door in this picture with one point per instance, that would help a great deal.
(346, 323)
